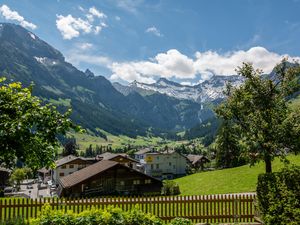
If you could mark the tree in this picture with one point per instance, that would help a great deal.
(260, 109)
(70, 147)
(229, 153)
(19, 175)
(28, 128)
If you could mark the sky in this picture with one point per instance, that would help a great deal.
(186, 41)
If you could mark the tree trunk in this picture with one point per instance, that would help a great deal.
(268, 163)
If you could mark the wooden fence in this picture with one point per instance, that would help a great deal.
(201, 209)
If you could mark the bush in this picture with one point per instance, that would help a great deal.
(170, 188)
(109, 216)
(181, 221)
(279, 197)
(14, 221)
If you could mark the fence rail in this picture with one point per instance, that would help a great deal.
(201, 209)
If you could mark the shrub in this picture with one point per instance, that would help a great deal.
(14, 221)
(109, 216)
(170, 188)
(181, 221)
(279, 197)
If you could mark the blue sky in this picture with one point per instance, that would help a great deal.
(185, 41)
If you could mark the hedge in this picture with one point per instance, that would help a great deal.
(278, 197)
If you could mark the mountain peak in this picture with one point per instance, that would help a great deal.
(17, 37)
(89, 73)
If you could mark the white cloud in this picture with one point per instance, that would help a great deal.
(97, 29)
(81, 54)
(95, 12)
(117, 18)
(174, 64)
(84, 46)
(154, 30)
(71, 27)
(129, 5)
(9, 14)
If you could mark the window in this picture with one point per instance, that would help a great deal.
(152, 166)
(71, 166)
(148, 181)
(122, 183)
(157, 166)
(63, 166)
(157, 157)
(170, 164)
(136, 182)
(61, 174)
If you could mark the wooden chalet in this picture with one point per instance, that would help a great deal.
(107, 178)
(197, 161)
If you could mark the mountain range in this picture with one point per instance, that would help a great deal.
(162, 108)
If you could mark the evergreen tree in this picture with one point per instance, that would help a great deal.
(228, 148)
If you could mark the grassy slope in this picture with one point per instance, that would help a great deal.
(85, 139)
(234, 180)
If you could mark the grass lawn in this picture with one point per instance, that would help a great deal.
(234, 180)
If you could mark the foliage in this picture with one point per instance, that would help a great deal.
(229, 150)
(14, 221)
(170, 188)
(70, 147)
(279, 196)
(18, 175)
(28, 128)
(181, 221)
(259, 108)
(109, 216)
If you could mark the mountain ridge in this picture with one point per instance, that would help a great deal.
(95, 102)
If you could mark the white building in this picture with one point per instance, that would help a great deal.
(139, 155)
(164, 165)
(68, 165)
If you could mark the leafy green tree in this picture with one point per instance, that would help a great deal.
(260, 109)
(28, 128)
(18, 175)
(229, 150)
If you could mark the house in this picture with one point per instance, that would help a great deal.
(197, 161)
(68, 165)
(139, 155)
(121, 158)
(164, 165)
(106, 178)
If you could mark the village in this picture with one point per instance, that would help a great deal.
(106, 174)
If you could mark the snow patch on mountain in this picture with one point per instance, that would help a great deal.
(207, 91)
(46, 61)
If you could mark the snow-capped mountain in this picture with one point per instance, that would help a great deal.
(208, 91)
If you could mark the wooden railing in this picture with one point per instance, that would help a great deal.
(202, 209)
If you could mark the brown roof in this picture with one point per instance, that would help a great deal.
(110, 156)
(195, 158)
(66, 160)
(86, 173)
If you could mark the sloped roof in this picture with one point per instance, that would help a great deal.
(86, 173)
(110, 156)
(66, 160)
(143, 151)
(195, 158)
